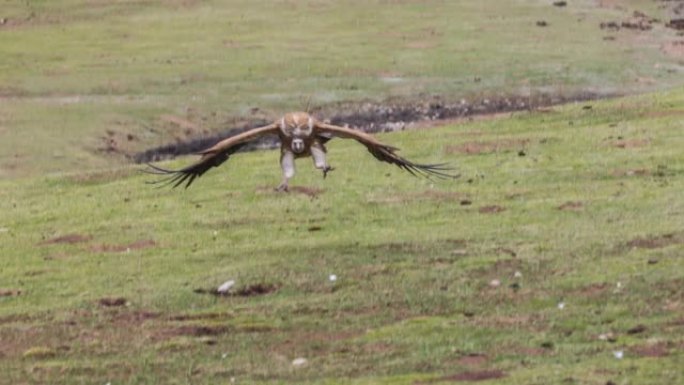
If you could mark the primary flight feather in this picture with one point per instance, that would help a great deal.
(301, 135)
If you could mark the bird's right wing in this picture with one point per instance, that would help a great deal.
(386, 153)
(211, 157)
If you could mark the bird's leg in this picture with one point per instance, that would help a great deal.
(320, 163)
(287, 158)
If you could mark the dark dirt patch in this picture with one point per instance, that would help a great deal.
(246, 291)
(469, 376)
(639, 22)
(637, 329)
(593, 290)
(677, 24)
(202, 316)
(560, 3)
(660, 349)
(112, 302)
(473, 360)
(197, 331)
(656, 242)
(571, 205)
(312, 192)
(137, 245)
(487, 147)
(389, 116)
(631, 143)
(68, 239)
(10, 292)
(492, 209)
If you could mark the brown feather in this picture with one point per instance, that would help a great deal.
(386, 153)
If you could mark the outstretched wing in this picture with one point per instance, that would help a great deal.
(387, 153)
(211, 157)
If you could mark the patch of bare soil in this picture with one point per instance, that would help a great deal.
(492, 209)
(660, 349)
(487, 147)
(639, 21)
(137, 245)
(677, 24)
(68, 239)
(469, 376)
(10, 292)
(571, 205)
(311, 192)
(656, 242)
(593, 290)
(631, 143)
(201, 316)
(112, 302)
(388, 116)
(473, 360)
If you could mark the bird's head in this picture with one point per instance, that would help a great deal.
(297, 124)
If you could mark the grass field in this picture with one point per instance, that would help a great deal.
(591, 217)
(556, 258)
(76, 74)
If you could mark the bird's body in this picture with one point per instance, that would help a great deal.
(301, 135)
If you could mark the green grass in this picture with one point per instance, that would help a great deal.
(73, 70)
(413, 300)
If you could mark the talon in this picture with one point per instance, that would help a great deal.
(326, 170)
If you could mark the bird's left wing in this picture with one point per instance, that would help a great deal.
(211, 157)
(386, 153)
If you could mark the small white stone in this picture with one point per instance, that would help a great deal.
(332, 278)
(618, 354)
(517, 274)
(561, 306)
(297, 362)
(495, 283)
(3, 229)
(224, 355)
(225, 287)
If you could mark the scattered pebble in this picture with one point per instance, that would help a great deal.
(495, 283)
(517, 274)
(3, 229)
(224, 355)
(298, 362)
(225, 287)
(561, 306)
(618, 354)
(332, 278)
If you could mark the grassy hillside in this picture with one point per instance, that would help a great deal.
(555, 259)
(83, 83)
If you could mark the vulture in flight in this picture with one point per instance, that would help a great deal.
(300, 135)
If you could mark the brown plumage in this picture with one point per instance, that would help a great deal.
(301, 135)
